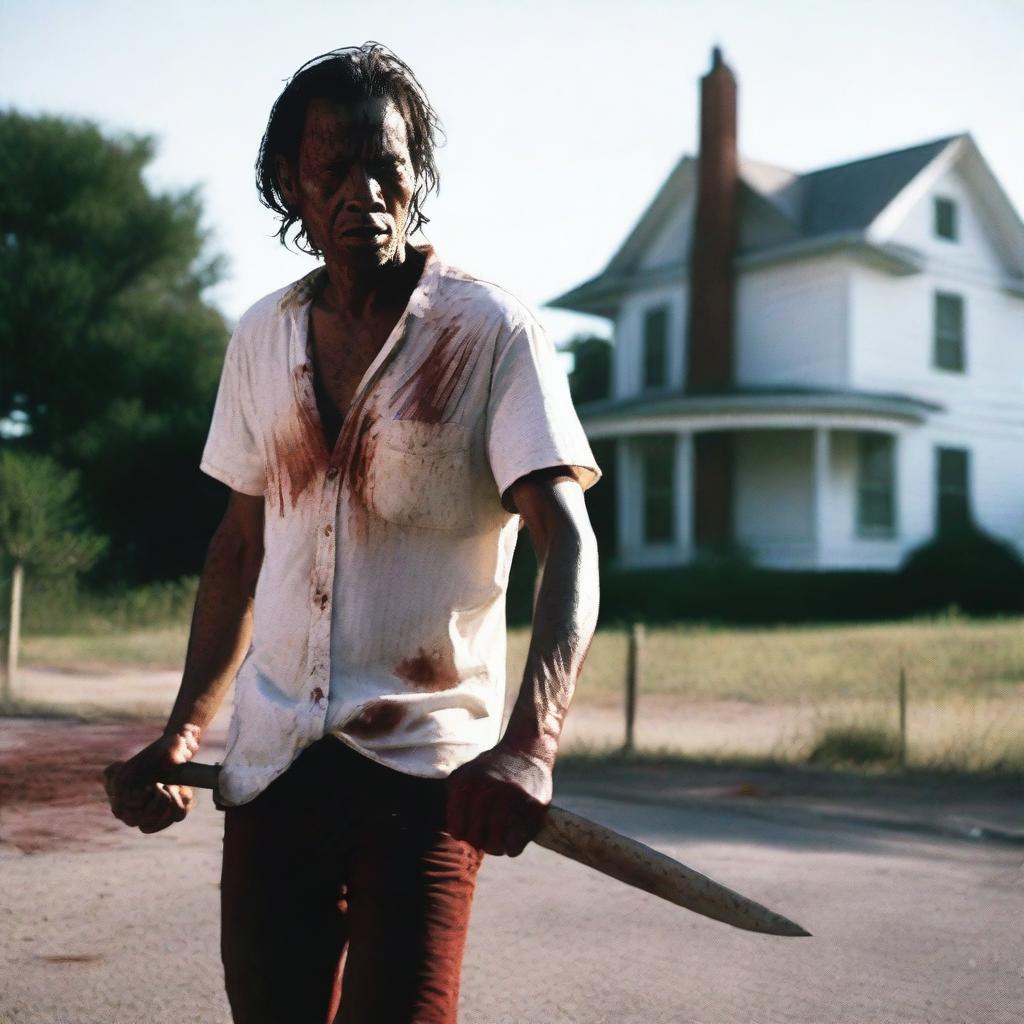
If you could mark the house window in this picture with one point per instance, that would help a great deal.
(655, 348)
(945, 218)
(657, 469)
(949, 331)
(876, 492)
(952, 497)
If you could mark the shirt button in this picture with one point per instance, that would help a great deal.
(327, 529)
(332, 472)
(322, 598)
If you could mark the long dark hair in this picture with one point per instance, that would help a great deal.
(351, 73)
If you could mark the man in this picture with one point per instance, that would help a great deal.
(385, 425)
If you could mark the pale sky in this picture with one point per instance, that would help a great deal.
(563, 118)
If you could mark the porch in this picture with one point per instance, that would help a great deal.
(793, 480)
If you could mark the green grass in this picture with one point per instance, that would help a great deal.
(157, 648)
(60, 608)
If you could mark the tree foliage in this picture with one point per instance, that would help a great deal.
(41, 524)
(591, 377)
(109, 353)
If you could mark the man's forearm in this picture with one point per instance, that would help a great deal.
(497, 801)
(220, 632)
(564, 618)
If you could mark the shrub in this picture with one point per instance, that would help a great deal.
(855, 745)
(969, 569)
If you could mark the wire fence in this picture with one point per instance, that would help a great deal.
(943, 693)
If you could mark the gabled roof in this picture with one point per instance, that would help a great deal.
(786, 213)
(678, 185)
(849, 196)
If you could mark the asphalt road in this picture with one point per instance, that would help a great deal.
(913, 922)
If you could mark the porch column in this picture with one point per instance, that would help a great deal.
(684, 493)
(820, 491)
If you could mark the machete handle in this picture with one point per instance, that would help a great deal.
(191, 773)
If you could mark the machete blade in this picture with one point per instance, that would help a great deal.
(629, 861)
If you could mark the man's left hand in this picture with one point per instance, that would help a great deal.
(497, 801)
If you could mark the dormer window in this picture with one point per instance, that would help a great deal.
(945, 218)
(655, 349)
(949, 331)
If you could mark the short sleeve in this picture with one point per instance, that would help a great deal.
(531, 421)
(233, 452)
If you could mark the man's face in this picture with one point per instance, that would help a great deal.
(354, 181)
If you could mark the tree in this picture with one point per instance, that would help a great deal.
(41, 528)
(591, 381)
(109, 353)
(591, 376)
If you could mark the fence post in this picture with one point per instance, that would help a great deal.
(636, 641)
(903, 716)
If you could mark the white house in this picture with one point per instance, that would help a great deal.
(823, 368)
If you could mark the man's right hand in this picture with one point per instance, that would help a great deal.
(140, 801)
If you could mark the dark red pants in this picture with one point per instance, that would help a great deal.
(340, 886)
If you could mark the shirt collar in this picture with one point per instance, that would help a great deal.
(294, 306)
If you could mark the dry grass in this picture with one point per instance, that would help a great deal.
(830, 688)
(829, 692)
(948, 655)
(957, 733)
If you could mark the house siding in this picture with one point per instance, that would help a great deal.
(791, 325)
(983, 407)
(627, 355)
(972, 253)
(671, 246)
(774, 501)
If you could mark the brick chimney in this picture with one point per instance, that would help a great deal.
(709, 350)
(709, 362)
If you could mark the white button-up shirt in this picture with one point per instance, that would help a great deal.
(380, 607)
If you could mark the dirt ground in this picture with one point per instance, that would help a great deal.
(662, 721)
(913, 888)
(51, 784)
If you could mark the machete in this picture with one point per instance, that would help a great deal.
(615, 855)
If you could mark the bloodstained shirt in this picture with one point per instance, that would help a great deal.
(379, 611)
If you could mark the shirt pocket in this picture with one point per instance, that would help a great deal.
(420, 475)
